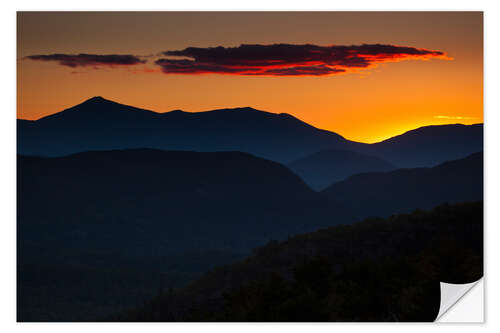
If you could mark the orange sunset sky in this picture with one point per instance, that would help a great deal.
(384, 97)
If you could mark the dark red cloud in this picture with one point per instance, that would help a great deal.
(287, 59)
(184, 66)
(92, 60)
(305, 70)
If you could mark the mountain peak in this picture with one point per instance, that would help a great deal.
(96, 99)
(245, 108)
(95, 110)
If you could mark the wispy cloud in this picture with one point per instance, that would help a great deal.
(287, 59)
(454, 117)
(89, 60)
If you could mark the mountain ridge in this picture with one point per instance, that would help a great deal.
(405, 189)
(203, 191)
(417, 129)
(100, 124)
(100, 99)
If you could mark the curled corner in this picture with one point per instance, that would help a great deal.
(451, 293)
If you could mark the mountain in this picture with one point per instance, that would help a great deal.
(108, 192)
(184, 200)
(430, 145)
(375, 270)
(100, 124)
(155, 219)
(147, 218)
(326, 167)
(385, 193)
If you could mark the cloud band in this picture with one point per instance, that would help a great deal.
(258, 60)
(287, 59)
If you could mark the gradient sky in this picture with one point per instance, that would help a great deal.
(368, 104)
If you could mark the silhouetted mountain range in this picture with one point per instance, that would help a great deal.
(326, 167)
(108, 192)
(100, 124)
(402, 190)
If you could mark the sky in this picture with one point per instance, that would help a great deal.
(365, 75)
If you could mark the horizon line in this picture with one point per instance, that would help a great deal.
(96, 98)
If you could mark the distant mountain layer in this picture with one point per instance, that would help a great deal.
(321, 169)
(100, 124)
(430, 145)
(385, 193)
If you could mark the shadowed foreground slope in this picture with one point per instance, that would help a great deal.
(375, 270)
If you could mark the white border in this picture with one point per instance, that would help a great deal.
(8, 205)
